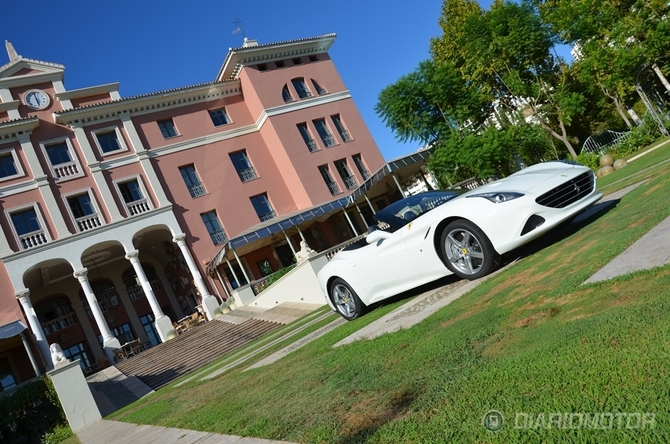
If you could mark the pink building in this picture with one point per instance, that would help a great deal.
(122, 215)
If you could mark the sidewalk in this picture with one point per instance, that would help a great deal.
(115, 432)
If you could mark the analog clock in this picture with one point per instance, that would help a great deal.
(36, 99)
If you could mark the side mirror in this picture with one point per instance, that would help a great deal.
(376, 236)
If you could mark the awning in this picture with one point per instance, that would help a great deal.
(261, 234)
(12, 329)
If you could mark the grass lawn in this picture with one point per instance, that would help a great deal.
(528, 342)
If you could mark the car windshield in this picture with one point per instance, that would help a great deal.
(400, 213)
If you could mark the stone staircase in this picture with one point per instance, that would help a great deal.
(191, 350)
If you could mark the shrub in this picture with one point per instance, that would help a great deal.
(58, 434)
(30, 411)
(591, 160)
(639, 138)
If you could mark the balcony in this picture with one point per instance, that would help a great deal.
(59, 323)
(344, 134)
(364, 173)
(334, 188)
(218, 237)
(138, 207)
(197, 190)
(136, 292)
(350, 182)
(88, 222)
(34, 239)
(267, 216)
(312, 146)
(247, 174)
(328, 140)
(67, 170)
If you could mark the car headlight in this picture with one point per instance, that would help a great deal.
(498, 197)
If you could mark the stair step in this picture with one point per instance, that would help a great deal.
(191, 350)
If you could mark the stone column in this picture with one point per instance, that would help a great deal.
(162, 322)
(209, 303)
(109, 342)
(35, 326)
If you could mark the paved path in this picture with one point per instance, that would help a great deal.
(115, 432)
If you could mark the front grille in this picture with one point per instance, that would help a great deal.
(568, 192)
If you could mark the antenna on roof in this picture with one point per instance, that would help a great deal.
(11, 52)
(238, 28)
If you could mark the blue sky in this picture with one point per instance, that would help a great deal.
(152, 46)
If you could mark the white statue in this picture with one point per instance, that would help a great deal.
(57, 356)
(304, 253)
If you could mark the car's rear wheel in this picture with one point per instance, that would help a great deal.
(467, 251)
(345, 300)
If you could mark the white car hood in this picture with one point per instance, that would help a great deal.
(525, 179)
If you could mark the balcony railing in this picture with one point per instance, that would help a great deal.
(247, 174)
(365, 174)
(218, 237)
(197, 190)
(312, 146)
(344, 134)
(59, 323)
(34, 239)
(138, 207)
(267, 216)
(88, 222)
(350, 182)
(304, 93)
(334, 188)
(66, 170)
(328, 140)
(137, 292)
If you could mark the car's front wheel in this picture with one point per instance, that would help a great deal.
(345, 300)
(467, 251)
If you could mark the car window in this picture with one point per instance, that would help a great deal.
(402, 212)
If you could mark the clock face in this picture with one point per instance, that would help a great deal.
(36, 99)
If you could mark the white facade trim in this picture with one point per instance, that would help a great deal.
(17, 164)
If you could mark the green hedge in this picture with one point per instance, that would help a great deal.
(30, 412)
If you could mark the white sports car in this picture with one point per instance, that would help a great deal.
(424, 237)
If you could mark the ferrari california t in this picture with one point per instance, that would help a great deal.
(424, 237)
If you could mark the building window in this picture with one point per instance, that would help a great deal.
(133, 196)
(344, 134)
(324, 133)
(83, 211)
(265, 267)
(9, 166)
(263, 207)
(123, 333)
(192, 181)
(7, 379)
(150, 328)
(133, 285)
(333, 187)
(280, 64)
(55, 314)
(167, 128)
(106, 295)
(62, 160)
(28, 227)
(348, 178)
(286, 94)
(320, 90)
(219, 117)
(243, 166)
(307, 137)
(214, 228)
(109, 140)
(78, 352)
(301, 88)
(360, 166)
